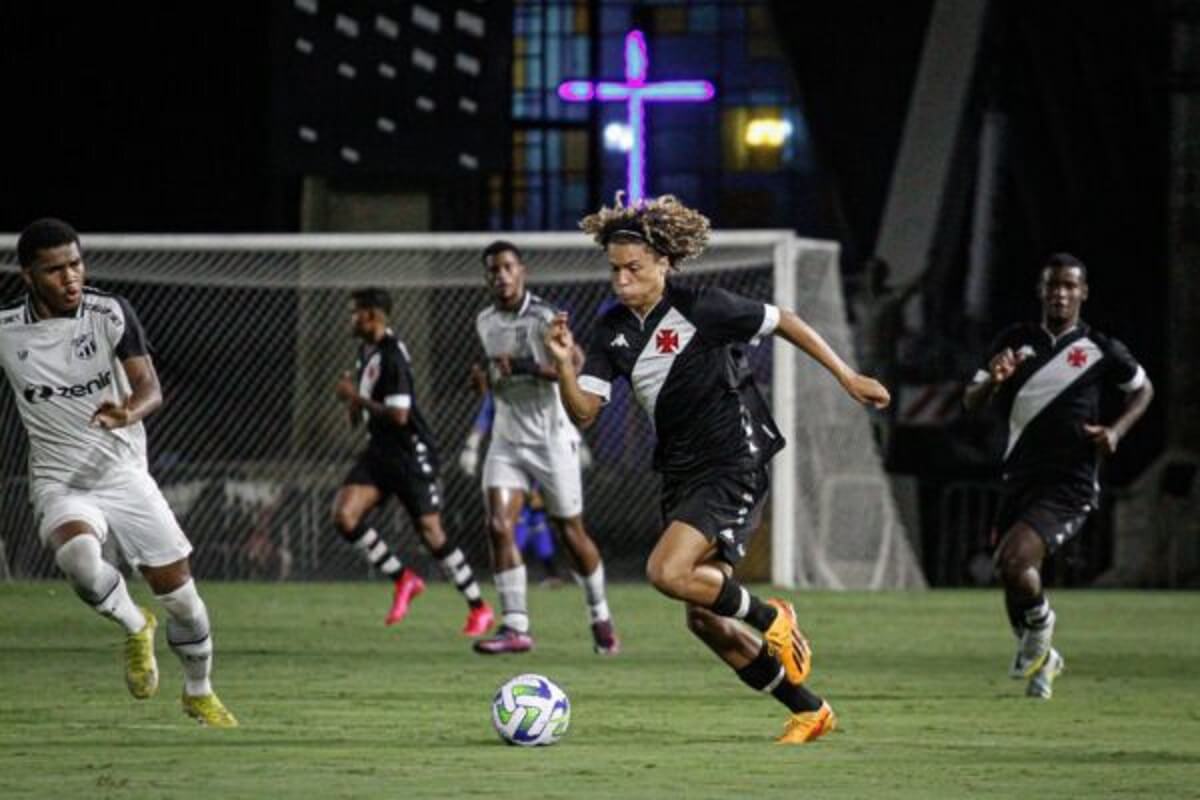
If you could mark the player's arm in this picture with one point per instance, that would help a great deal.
(507, 365)
(983, 388)
(395, 412)
(865, 390)
(1139, 392)
(581, 406)
(145, 396)
(133, 350)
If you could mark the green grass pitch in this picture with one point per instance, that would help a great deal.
(334, 705)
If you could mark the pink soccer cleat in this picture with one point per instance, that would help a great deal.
(604, 638)
(479, 619)
(506, 640)
(408, 586)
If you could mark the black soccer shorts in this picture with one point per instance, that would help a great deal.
(413, 481)
(726, 508)
(1055, 510)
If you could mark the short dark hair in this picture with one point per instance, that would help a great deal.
(1065, 260)
(372, 298)
(501, 246)
(43, 234)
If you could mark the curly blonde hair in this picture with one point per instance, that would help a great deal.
(663, 223)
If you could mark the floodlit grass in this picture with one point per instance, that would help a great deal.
(333, 704)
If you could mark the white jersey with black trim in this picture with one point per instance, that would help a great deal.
(528, 408)
(61, 369)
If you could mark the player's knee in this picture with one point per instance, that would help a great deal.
(344, 520)
(80, 560)
(667, 576)
(1009, 565)
(500, 529)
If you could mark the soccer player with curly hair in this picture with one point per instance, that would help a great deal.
(683, 351)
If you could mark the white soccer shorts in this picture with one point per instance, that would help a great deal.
(553, 465)
(130, 506)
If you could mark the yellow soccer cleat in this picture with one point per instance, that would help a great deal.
(786, 642)
(1041, 685)
(141, 668)
(805, 726)
(207, 709)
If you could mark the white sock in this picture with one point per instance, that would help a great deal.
(188, 634)
(593, 588)
(510, 585)
(97, 583)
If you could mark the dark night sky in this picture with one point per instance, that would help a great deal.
(138, 116)
(155, 117)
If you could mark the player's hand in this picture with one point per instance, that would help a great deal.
(502, 366)
(560, 343)
(1103, 437)
(345, 389)
(868, 391)
(110, 415)
(468, 461)
(478, 380)
(1004, 364)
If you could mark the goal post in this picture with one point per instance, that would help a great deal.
(250, 332)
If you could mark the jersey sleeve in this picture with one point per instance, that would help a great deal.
(395, 377)
(597, 375)
(126, 330)
(1124, 370)
(727, 317)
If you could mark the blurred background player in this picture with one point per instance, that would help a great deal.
(533, 443)
(1047, 379)
(400, 459)
(683, 352)
(533, 533)
(79, 365)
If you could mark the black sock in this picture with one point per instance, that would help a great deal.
(765, 674)
(796, 697)
(735, 601)
(1016, 612)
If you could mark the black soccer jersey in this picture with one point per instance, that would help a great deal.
(385, 376)
(1053, 393)
(687, 365)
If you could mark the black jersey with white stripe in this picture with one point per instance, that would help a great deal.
(1055, 391)
(687, 365)
(385, 376)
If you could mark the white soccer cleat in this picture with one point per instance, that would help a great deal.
(1041, 685)
(1032, 650)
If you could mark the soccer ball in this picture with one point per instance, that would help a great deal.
(530, 710)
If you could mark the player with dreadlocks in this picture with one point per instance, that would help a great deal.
(683, 350)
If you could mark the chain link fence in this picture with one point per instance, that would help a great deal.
(249, 334)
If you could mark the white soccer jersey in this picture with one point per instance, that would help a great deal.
(61, 369)
(528, 408)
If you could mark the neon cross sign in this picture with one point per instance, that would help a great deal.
(636, 92)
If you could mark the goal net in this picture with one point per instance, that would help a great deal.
(249, 334)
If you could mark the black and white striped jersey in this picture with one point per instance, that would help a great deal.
(1053, 393)
(687, 366)
(528, 407)
(61, 369)
(385, 376)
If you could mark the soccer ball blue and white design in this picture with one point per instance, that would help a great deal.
(531, 710)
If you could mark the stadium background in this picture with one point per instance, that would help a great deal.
(1071, 133)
